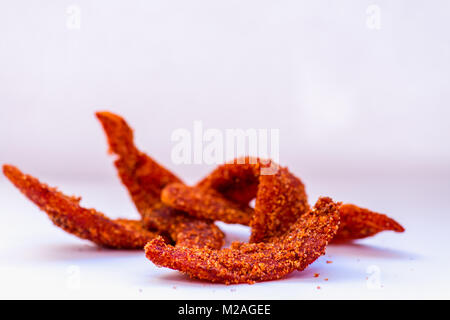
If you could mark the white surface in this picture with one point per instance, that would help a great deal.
(38, 260)
(312, 69)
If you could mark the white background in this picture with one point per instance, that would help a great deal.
(363, 117)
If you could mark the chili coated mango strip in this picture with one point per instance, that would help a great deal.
(210, 198)
(241, 182)
(205, 203)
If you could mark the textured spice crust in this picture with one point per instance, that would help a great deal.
(184, 229)
(251, 262)
(145, 178)
(281, 199)
(205, 203)
(237, 181)
(66, 213)
(357, 223)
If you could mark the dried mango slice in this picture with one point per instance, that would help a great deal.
(251, 262)
(358, 223)
(183, 229)
(237, 180)
(66, 213)
(240, 183)
(145, 178)
(205, 203)
(269, 218)
(280, 201)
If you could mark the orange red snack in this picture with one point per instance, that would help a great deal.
(145, 178)
(66, 213)
(251, 262)
(237, 181)
(358, 223)
(240, 183)
(205, 203)
(183, 229)
(280, 201)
